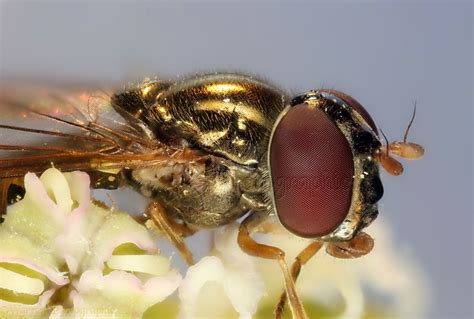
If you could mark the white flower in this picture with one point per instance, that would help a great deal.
(233, 284)
(225, 285)
(63, 255)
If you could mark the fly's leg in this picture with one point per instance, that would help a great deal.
(11, 191)
(251, 247)
(303, 257)
(4, 185)
(175, 231)
(360, 245)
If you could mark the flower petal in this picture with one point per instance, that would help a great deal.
(21, 284)
(57, 188)
(150, 264)
(228, 281)
(94, 238)
(121, 291)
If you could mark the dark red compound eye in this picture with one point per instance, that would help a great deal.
(312, 171)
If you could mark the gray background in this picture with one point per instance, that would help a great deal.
(386, 54)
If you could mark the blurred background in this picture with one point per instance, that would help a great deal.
(387, 54)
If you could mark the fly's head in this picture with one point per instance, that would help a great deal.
(323, 158)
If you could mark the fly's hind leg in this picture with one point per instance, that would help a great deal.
(251, 247)
(175, 231)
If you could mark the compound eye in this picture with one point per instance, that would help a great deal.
(312, 171)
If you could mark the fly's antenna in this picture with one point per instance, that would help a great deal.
(409, 124)
(386, 141)
(404, 149)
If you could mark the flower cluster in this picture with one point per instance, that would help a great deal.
(64, 255)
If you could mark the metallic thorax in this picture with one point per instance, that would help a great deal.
(227, 118)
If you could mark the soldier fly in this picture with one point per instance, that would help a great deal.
(213, 148)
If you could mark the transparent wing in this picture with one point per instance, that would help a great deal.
(72, 129)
